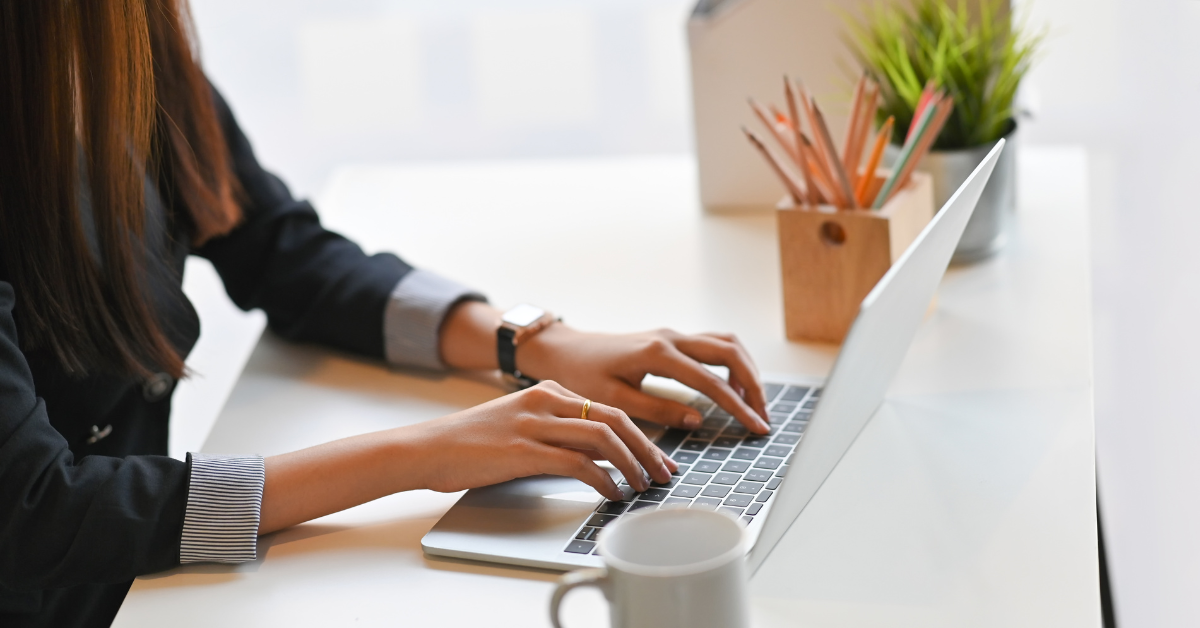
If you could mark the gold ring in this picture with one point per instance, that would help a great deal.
(587, 405)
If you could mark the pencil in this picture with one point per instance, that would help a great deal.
(944, 107)
(866, 118)
(852, 122)
(822, 180)
(839, 172)
(881, 140)
(922, 102)
(902, 159)
(765, 119)
(798, 135)
(788, 182)
(816, 149)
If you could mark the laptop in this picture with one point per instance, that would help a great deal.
(765, 481)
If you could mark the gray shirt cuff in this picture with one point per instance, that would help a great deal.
(224, 502)
(414, 316)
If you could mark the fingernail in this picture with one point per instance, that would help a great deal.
(764, 427)
(691, 421)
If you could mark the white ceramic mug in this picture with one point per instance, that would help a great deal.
(669, 569)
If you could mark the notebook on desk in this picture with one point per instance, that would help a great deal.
(765, 481)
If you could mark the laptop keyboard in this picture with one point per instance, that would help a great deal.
(721, 464)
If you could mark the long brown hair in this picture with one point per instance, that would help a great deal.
(95, 96)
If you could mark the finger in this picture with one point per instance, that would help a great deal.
(711, 349)
(673, 363)
(595, 436)
(656, 409)
(646, 452)
(563, 462)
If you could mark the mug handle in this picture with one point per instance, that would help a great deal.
(582, 578)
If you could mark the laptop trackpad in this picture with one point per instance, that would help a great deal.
(527, 521)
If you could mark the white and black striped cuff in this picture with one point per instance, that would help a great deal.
(414, 315)
(224, 501)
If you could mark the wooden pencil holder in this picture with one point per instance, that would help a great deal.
(833, 258)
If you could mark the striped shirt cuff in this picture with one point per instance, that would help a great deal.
(414, 315)
(220, 523)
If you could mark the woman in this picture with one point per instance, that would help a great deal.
(117, 161)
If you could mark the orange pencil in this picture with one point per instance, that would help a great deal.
(865, 124)
(821, 178)
(798, 195)
(881, 140)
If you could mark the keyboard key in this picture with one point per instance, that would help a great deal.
(682, 470)
(803, 415)
(706, 503)
(670, 483)
(727, 441)
(715, 423)
(581, 547)
(737, 429)
(686, 490)
(585, 534)
(627, 492)
(707, 466)
(693, 445)
(794, 393)
(749, 488)
(720, 414)
(733, 511)
(715, 490)
(701, 403)
(736, 466)
(777, 418)
(727, 478)
(675, 502)
(774, 483)
(809, 405)
(746, 454)
(764, 496)
(794, 427)
(599, 521)
(816, 393)
(756, 441)
(782, 471)
(767, 463)
(612, 508)
(746, 520)
(759, 475)
(778, 450)
(754, 508)
(740, 501)
(789, 460)
(784, 406)
(654, 495)
(685, 457)
(699, 479)
(716, 454)
(772, 391)
(705, 434)
(640, 505)
(787, 439)
(670, 440)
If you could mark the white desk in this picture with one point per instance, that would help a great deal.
(969, 499)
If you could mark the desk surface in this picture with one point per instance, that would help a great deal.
(969, 499)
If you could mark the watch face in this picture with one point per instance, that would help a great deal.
(523, 315)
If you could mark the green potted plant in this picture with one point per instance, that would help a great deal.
(977, 56)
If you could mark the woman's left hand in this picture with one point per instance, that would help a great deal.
(609, 368)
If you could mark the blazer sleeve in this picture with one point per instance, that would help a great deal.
(65, 522)
(313, 284)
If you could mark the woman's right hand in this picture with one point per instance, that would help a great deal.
(532, 432)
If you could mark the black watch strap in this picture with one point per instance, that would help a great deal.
(506, 353)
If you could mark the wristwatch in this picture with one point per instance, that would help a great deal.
(516, 326)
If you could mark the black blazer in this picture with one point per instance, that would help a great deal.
(78, 519)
